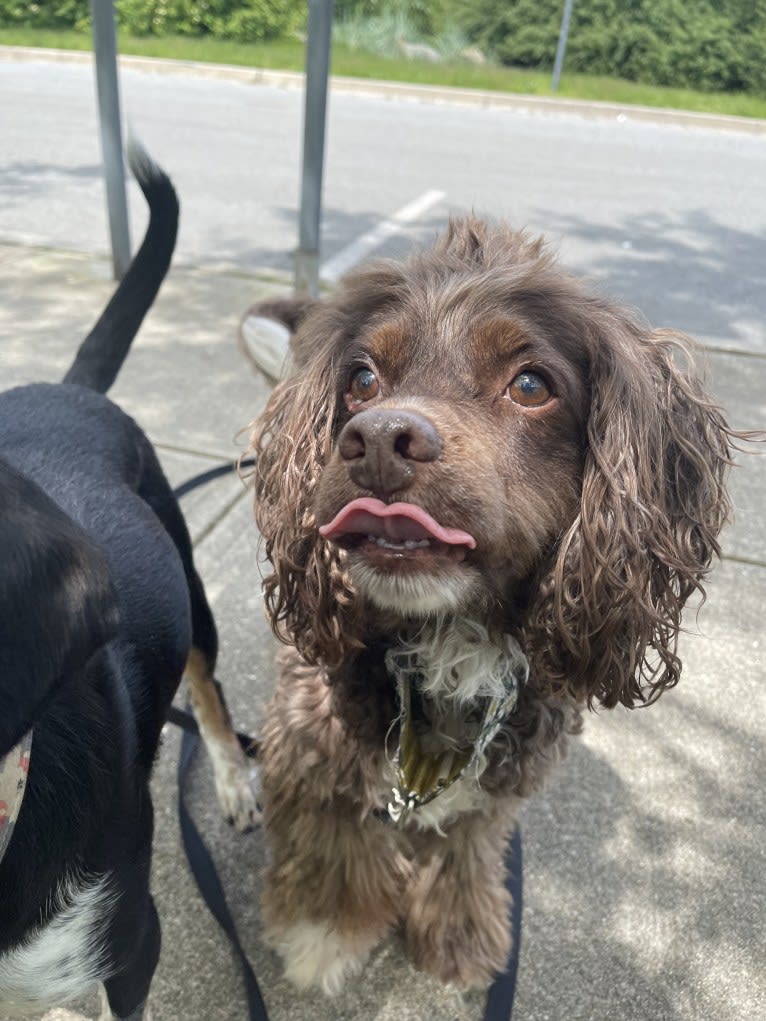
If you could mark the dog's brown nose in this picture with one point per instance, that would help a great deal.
(383, 448)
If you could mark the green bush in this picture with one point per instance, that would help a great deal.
(45, 13)
(262, 19)
(243, 20)
(753, 54)
(708, 44)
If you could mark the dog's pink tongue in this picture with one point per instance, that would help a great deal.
(396, 521)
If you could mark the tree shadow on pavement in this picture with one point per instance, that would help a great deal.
(646, 908)
(691, 272)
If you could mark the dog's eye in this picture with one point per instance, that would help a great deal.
(529, 389)
(363, 387)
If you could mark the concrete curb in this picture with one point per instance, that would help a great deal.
(402, 90)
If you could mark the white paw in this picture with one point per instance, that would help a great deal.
(236, 786)
(105, 1015)
(62, 1014)
(316, 956)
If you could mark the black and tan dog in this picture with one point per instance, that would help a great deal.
(101, 611)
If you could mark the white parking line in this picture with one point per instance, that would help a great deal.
(366, 243)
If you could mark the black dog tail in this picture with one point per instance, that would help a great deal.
(103, 351)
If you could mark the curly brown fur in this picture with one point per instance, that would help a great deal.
(570, 470)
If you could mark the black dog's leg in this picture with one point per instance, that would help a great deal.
(155, 491)
(234, 773)
(127, 991)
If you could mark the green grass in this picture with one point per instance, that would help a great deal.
(288, 55)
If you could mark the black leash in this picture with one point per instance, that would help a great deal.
(210, 474)
(502, 991)
(204, 870)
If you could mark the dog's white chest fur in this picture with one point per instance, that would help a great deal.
(64, 958)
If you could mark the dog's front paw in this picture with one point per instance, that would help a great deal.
(236, 786)
(460, 966)
(467, 956)
(316, 956)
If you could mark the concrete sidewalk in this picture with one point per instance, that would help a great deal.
(644, 861)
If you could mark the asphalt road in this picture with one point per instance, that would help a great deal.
(670, 218)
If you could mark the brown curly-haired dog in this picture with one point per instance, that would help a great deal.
(473, 466)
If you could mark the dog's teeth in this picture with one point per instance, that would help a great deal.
(409, 544)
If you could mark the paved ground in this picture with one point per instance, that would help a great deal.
(644, 861)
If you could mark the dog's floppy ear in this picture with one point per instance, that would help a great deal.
(57, 606)
(289, 312)
(307, 594)
(653, 501)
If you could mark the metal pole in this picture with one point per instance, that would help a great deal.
(105, 49)
(317, 72)
(561, 48)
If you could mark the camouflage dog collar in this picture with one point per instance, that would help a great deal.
(14, 768)
(422, 777)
